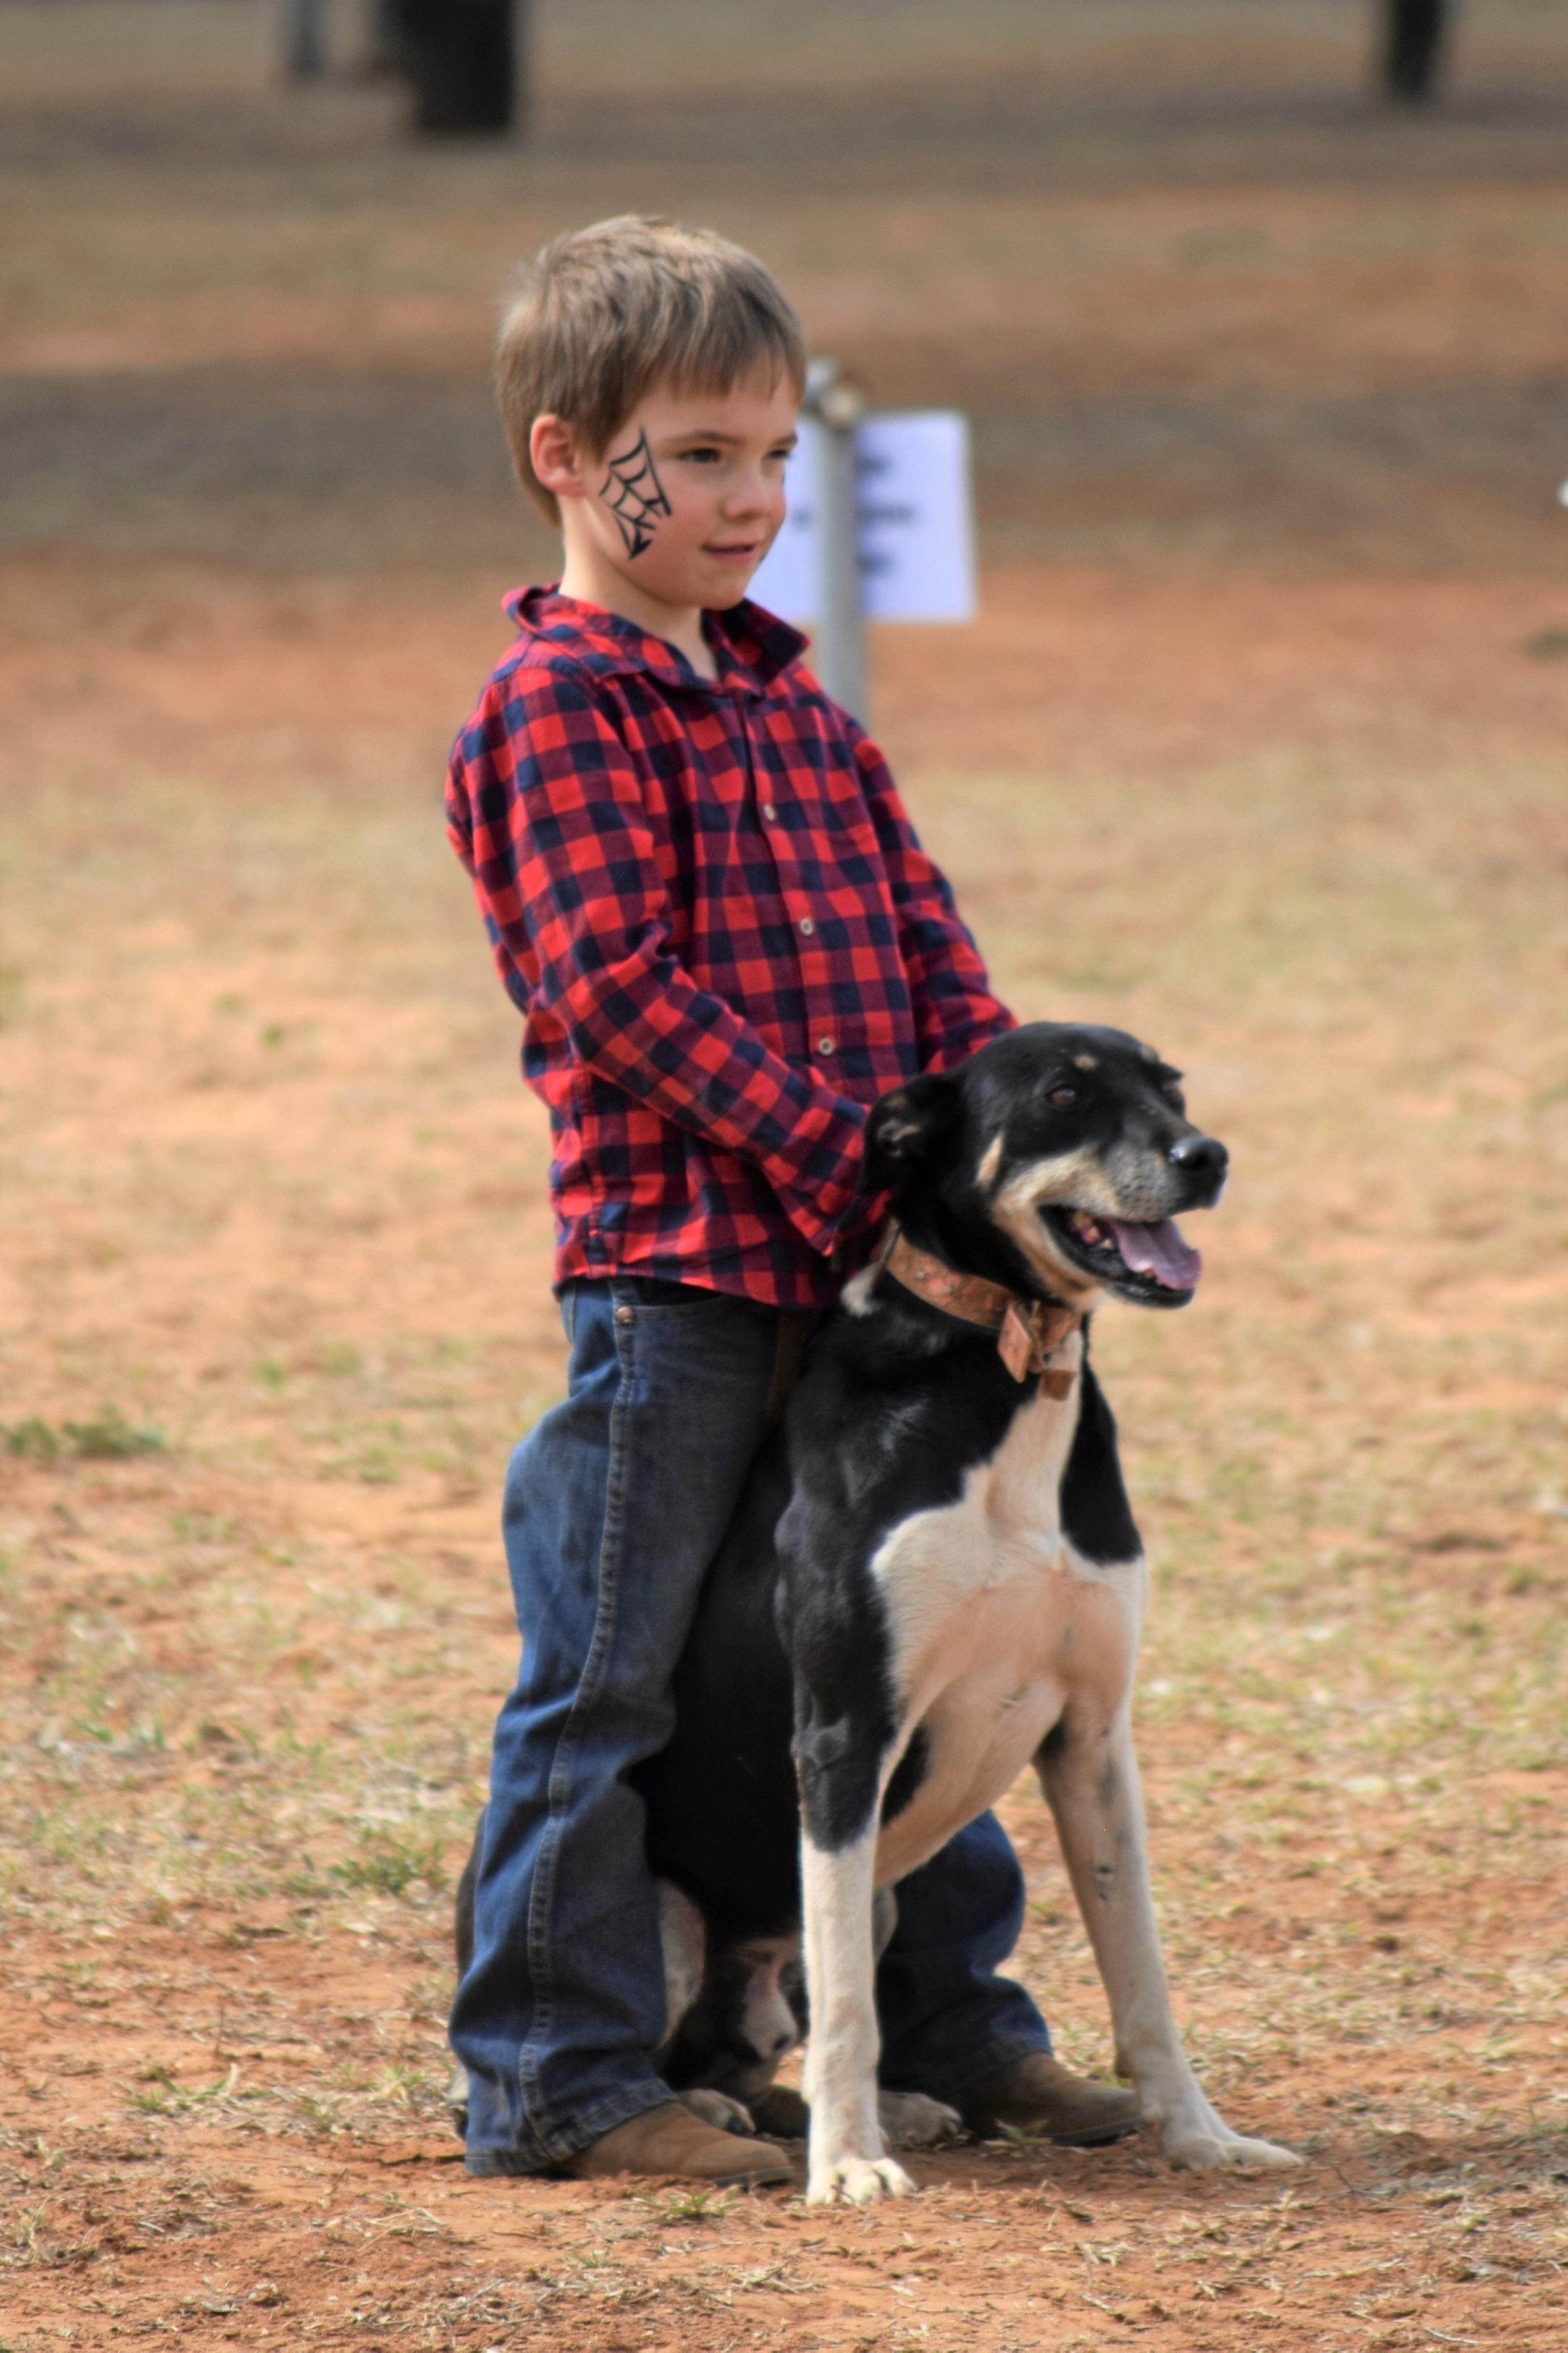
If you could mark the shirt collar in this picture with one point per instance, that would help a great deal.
(751, 647)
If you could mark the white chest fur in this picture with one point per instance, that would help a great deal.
(993, 1621)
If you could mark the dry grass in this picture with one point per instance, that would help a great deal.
(274, 1200)
(1258, 752)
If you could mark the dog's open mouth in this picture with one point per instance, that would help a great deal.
(1154, 1262)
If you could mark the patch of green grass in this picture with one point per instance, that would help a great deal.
(164, 2097)
(695, 2205)
(108, 1437)
(33, 1439)
(206, 1527)
(1025, 2136)
(376, 1466)
(391, 1865)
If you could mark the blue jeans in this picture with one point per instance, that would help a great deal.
(615, 1503)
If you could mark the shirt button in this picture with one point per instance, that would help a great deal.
(626, 1314)
(807, 927)
(825, 1045)
(769, 811)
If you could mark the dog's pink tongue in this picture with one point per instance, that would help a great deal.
(1159, 1251)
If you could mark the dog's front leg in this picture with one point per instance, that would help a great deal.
(846, 2160)
(1089, 1774)
(838, 1761)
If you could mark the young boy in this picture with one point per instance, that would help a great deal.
(707, 902)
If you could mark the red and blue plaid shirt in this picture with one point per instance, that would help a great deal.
(725, 941)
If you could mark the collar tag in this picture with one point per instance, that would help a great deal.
(1028, 1340)
(1015, 1342)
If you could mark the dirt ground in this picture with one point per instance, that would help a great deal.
(1257, 751)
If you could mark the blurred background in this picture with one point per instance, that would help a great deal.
(1256, 749)
(1204, 294)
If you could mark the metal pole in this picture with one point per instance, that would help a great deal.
(836, 407)
(462, 57)
(523, 68)
(383, 38)
(1415, 34)
(304, 39)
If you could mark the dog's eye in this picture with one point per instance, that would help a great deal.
(1064, 1095)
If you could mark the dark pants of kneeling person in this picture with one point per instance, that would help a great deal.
(615, 1503)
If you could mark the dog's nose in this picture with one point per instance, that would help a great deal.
(1201, 1157)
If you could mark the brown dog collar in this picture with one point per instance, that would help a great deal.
(1028, 1331)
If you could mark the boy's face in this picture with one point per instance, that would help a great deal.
(689, 497)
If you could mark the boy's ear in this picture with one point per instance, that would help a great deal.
(908, 1126)
(555, 457)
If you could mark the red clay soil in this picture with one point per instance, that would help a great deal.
(1258, 750)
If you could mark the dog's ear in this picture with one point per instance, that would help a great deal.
(908, 1126)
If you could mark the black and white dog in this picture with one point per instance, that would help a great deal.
(933, 1579)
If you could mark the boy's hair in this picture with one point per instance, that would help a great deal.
(605, 312)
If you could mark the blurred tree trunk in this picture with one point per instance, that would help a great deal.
(1413, 36)
(463, 58)
(304, 39)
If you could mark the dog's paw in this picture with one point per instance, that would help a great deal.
(455, 2102)
(1209, 2150)
(718, 2109)
(910, 2120)
(857, 2181)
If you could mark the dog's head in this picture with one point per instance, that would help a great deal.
(1053, 1161)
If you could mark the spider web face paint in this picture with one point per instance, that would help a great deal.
(635, 495)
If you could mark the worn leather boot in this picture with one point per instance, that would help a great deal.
(671, 2142)
(1037, 2094)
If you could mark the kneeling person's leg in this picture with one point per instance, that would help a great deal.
(945, 2014)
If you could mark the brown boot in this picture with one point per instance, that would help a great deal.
(671, 2141)
(1037, 2094)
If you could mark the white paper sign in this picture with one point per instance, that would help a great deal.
(915, 524)
(917, 532)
